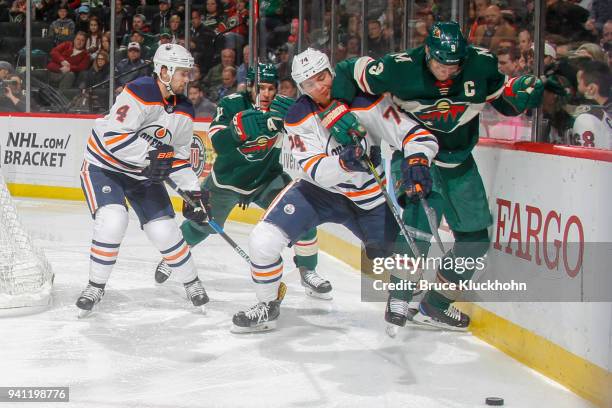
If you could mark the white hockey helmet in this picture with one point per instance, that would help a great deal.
(171, 56)
(307, 64)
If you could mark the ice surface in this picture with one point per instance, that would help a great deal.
(147, 346)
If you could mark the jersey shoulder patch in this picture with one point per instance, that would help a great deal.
(145, 90)
(481, 60)
(300, 110)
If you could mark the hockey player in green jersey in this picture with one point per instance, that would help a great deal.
(444, 85)
(247, 135)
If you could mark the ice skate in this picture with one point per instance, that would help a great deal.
(260, 317)
(449, 319)
(396, 314)
(88, 299)
(314, 285)
(196, 293)
(162, 272)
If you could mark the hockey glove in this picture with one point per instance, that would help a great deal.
(199, 213)
(280, 106)
(160, 163)
(375, 156)
(252, 123)
(524, 92)
(351, 158)
(416, 179)
(343, 125)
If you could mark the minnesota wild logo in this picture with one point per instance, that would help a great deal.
(258, 149)
(444, 114)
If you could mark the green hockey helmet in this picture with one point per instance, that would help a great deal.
(267, 73)
(446, 43)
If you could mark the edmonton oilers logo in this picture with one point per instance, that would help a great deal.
(155, 133)
(198, 155)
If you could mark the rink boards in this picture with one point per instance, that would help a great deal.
(550, 215)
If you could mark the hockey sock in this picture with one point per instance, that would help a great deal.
(468, 245)
(166, 236)
(109, 229)
(266, 243)
(97, 285)
(306, 250)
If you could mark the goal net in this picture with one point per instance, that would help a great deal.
(26, 278)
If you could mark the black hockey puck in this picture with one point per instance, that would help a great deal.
(495, 401)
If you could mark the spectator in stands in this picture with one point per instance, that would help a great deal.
(67, 60)
(6, 69)
(204, 107)
(288, 88)
(550, 55)
(94, 37)
(243, 68)
(377, 44)
(139, 23)
(236, 20)
(592, 51)
(176, 28)
(567, 19)
(494, 30)
(419, 34)
(557, 120)
(130, 64)
(526, 62)
(524, 40)
(477, 16)
(97, 73)
(63, 28)
(284, 60)
(162, 18)
(197, 28)
(508, 61)
(122, 19)
(145, 51)
(12, 99)
(105, 43)
(213, 78)
(593, 123)
(45, 10)
(165, 37)
(228, 83)
(606, 35)
(83, 16)
(17, 13)
(213, 15)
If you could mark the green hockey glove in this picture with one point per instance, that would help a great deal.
(280, 106)
(343, 125)
(524, 92)
(253, 123)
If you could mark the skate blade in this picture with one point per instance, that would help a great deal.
(82, 314)
(424, 320)
(391, 330)
(316, 295)
(263, 327)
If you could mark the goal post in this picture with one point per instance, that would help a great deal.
(26, 278)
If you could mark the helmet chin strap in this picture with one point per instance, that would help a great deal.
(166, 84)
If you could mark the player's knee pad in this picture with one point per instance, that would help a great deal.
(162, 232)
(266, 243)
(110, 224)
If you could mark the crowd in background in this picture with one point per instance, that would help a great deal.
(72, 49)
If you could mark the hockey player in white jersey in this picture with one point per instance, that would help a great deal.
(330, 144)
(143, 140)
(593, 123)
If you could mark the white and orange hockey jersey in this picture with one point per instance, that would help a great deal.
(140, 121)
(317, 151)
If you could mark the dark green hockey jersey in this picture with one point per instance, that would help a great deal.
(449, 109)
(242, 167)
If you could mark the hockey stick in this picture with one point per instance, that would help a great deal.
(218, 229)
(430, 213)
(389, 202)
